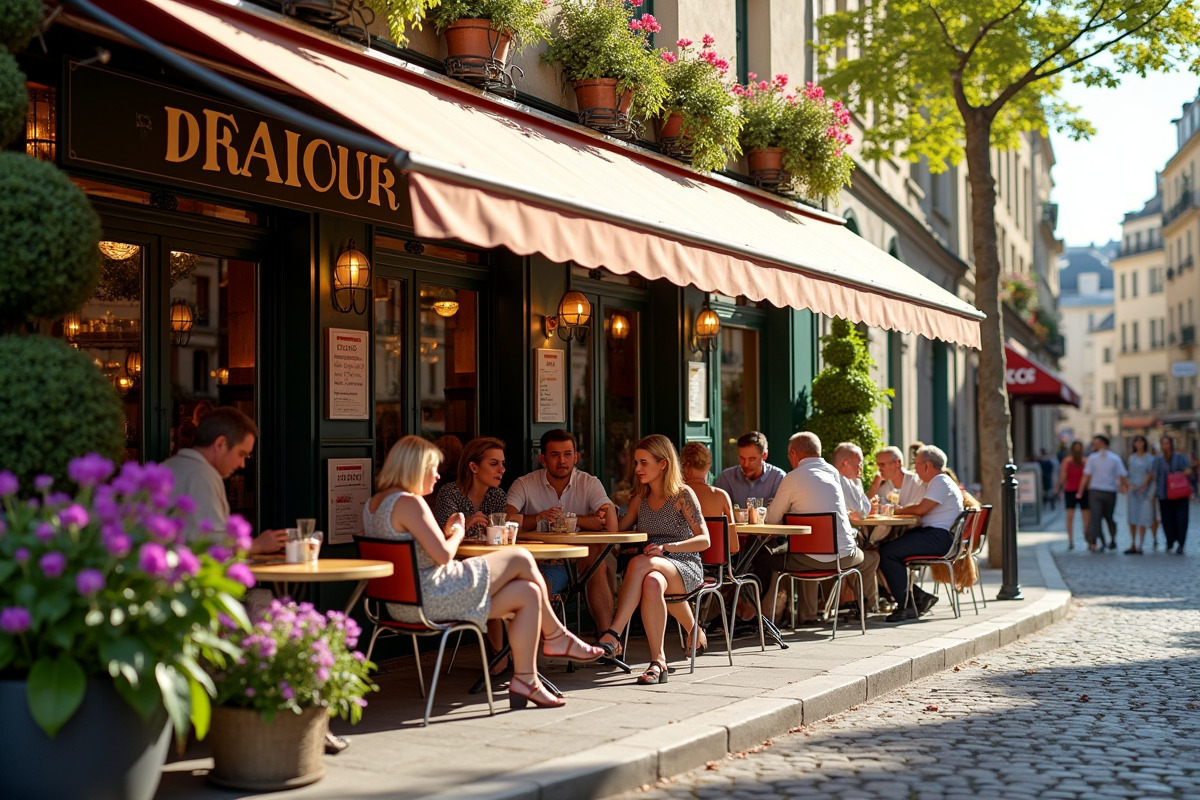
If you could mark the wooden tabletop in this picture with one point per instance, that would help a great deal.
(774, 530)
(322, 570)
(541, 552)
(890, 521)
(586, 537)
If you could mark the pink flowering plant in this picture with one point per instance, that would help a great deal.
(295, 658)
(101, 583)
(813, 131)
(698, 84)
(610, 39)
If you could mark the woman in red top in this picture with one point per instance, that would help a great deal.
(1069, 476)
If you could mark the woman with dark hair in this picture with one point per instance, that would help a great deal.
(1070, 474)
(1141, 503)
(668, 511)
(1174, 512)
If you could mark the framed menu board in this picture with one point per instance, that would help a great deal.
(551, 391)
(697, 391)
(348, 392)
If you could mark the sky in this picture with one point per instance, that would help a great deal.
(1098, 180)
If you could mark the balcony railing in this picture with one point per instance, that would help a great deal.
(1181, 207)
(1183, 402)
(1141, 247)
(1187, 334)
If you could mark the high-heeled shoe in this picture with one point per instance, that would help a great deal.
(656, 672)
(613, 649)
(576, 650)
(701, 643)
(521, 692)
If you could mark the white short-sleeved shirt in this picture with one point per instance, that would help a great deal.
(199, 480)
(814, 487)
(912, 491)
(949, 501)
(1106, 470)
(532, 493)
(856, 498)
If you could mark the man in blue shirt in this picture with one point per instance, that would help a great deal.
(753, 476)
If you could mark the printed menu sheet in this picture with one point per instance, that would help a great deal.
(349, 491)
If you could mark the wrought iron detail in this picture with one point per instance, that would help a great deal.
(358, 24)
(489, 74)
(677, 147)
(416, 248)
(614, 123)
(164, 200)
(774, 180)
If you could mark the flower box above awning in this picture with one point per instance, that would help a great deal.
(495, 174)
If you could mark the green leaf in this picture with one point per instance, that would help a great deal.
(50, 608)
(126, 657)
(196, 673)
(55, 690)
(234, 608)
(61, 636)
(177, 699)
(7, 650)
(7, 568)
(201, 708)
(143, 696)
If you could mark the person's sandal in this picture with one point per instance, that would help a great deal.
(521, 692)
(701, 644)
(654, 674)
(577, 650)
(613, 649)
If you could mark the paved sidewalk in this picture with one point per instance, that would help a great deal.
(613, 736)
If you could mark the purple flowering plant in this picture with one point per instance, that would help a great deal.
(103, 583)
(295, 658)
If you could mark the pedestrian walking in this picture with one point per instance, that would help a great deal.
(1174, 494)
(1104, 474)
(1141, 467)
(1070, 475)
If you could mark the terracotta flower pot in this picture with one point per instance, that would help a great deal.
(476, 38)
(284, 753)
(672, 126)
(767, 158)
(600, 94)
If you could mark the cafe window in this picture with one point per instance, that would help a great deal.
(213, 359)
(739, 388)
(389, 367)
(108, 327)
(448, 371)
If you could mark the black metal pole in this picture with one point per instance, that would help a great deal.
(1010, 589)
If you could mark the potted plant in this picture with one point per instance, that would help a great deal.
(701, 113)
(604, 51)
(106, 614)
(298, 668)
(762, 105)
(399, 14)
(487, 28)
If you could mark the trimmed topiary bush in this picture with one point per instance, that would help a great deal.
(14, 100)
(844, 395)
(19, 21)
(49, 264)
(54, 406)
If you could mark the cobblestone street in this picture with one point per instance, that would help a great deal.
(1104, 704)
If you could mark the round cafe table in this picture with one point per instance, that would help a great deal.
(324, 570)
(877, 528)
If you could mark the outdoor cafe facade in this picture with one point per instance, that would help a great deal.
(351, 249)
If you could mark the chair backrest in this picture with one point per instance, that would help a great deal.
(960, 534)
(403, 586)
(823, 539)
(979, 529)
(717, 554)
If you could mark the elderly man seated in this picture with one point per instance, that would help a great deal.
(942, 504)
(893, 477)
(848, 460)
(814, 487)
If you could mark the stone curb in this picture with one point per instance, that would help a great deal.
(679, 747)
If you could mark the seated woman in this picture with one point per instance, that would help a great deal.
(504, 585)
(669, 512)
(696, 461)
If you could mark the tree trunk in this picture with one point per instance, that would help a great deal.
(993, 423)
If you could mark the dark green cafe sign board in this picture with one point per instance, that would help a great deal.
(134, 126)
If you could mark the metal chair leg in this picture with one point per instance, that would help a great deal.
(437, 668)
(487, 675)
(454, 653)
(417, 658)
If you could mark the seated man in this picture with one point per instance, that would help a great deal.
(848, 460)
(753, 476)
(893, 476)
(942, 504)
(814, 487)
(558, 488)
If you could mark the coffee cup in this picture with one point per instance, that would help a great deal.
(513, 530)
(496, 534)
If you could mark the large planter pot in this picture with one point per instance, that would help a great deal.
(251, 753)
(104, 752)
(599, 105)
(476, 38)
(671, 139)
(766, 167)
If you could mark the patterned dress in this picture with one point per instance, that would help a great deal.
(668, 526)
(457, 590)
(451, 500)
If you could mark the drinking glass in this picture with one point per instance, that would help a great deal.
(314, 545)
(497, 519)
(306, 526)
(572, 522)
(295, 551)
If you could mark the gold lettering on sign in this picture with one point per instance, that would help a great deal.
(382, 180)
(174, 117)
(293, 158)
(310, 156)
(261, 147)
(344, 173)
(217, 135)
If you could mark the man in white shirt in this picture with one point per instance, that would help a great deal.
(848, 460)
(815, 487)
(941, 505)
(558, 488)
(892, 476)
(224, 437)
(1104, 474)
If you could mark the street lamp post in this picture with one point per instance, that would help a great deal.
(1010, 588)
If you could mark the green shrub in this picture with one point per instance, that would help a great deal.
(49, 264)
(54, 405)
(844, 395)
(14, 100)
(19, 21)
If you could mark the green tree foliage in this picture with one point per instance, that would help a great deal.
(13, 99)
(949, 79)
(844, 395)
(19, 21)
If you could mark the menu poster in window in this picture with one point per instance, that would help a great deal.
(697, 391)
(349, 491)
(348, 390)
(551, 385)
